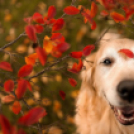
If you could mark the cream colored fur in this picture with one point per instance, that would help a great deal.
(93, 113)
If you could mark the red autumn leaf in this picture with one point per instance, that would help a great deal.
(16, 107)
(8, 99)
(21, 131)
(51, 12)
(9, 85)
(28, 20)
(32, 116)
(104, 13)
(80, 65)
(41, 55)
(29, 86)
(108, 4)
(56, 36)
(127, 52)
(6, 66)
(30, 59)
(58, 24)
(56, 53)
(21, 88)
(25, 70)
(62, 94)
(5, 125)
(38, 28)
(76, 55)
(72, 81)
(87, 50)
(63, 46)
(117, 17)
(30, 31)
(93, 26)
(129, 11)
(94, 9)
(37, 17)
(71, 10)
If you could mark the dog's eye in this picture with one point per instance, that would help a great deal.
(107, 61)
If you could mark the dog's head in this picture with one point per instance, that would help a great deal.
(112, 76)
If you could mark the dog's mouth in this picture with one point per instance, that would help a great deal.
(124, 115)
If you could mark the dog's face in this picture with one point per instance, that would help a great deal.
(114, 78)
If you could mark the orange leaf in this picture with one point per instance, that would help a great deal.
(87, 50)
(37, 17)
(32, 116)
(30, 59)
(16, 107)
(6, 66)
(8, 99)
(21, 89)
(117, 17)
(30, 31)
(41, 55)
(58, 24)
(127, 52)
(62, 94)
(76, 55)
(72, 81)
(71, 10)
(51, 12)
(25, 70)
(94, 9)
(9, 85)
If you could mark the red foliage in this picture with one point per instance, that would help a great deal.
(56, 36)
(29, 86)
(38, 28)
(94, 10)
(37, 17)
(21, 131)
(62, 47)
(87, 50)
(71, 10)
(117, 17)
(62, 94)
(9, 85)
(25, 70)
(76, 55)
(127, 52)
(72, 81)
(32, 116)
(6, 66)
(51, 12)
(16, 107)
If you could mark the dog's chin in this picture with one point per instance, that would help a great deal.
(125, 115)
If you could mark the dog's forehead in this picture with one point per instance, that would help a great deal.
(111, 47)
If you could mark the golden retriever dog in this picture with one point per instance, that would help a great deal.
(105, 104)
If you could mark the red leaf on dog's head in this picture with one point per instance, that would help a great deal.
(76, 55)
(62, 47)
(58, 24)
(5, 125)
(94, 9)
(16, 107)
(30, 31)
(37, 17)
(25, 70)
(62, 94)
(71, 10)
(87, 50)
(6, 66)
(32, 116)
(9, 85)
(38, 28)
(41, 55)
(117, 17)
(56, 36)
(72, 81)
(127, 52)
(21, 88)
(51, 12)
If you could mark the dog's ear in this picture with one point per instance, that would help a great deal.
(87, 73)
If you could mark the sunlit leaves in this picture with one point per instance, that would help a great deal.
(72, 81)
(30, 59)
(62, 94)
(16, 107)
(41, 55)
(127, 52)
(87, 50)
(76, 55)
(9, 85)
(32, 116)
(71, 10)
(51, 12)
(6, 66)
(58, 25)
(25, 70)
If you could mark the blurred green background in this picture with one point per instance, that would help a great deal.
(46, 89)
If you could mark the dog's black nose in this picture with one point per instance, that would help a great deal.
(126, 90)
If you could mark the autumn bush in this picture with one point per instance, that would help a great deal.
(43, 45)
